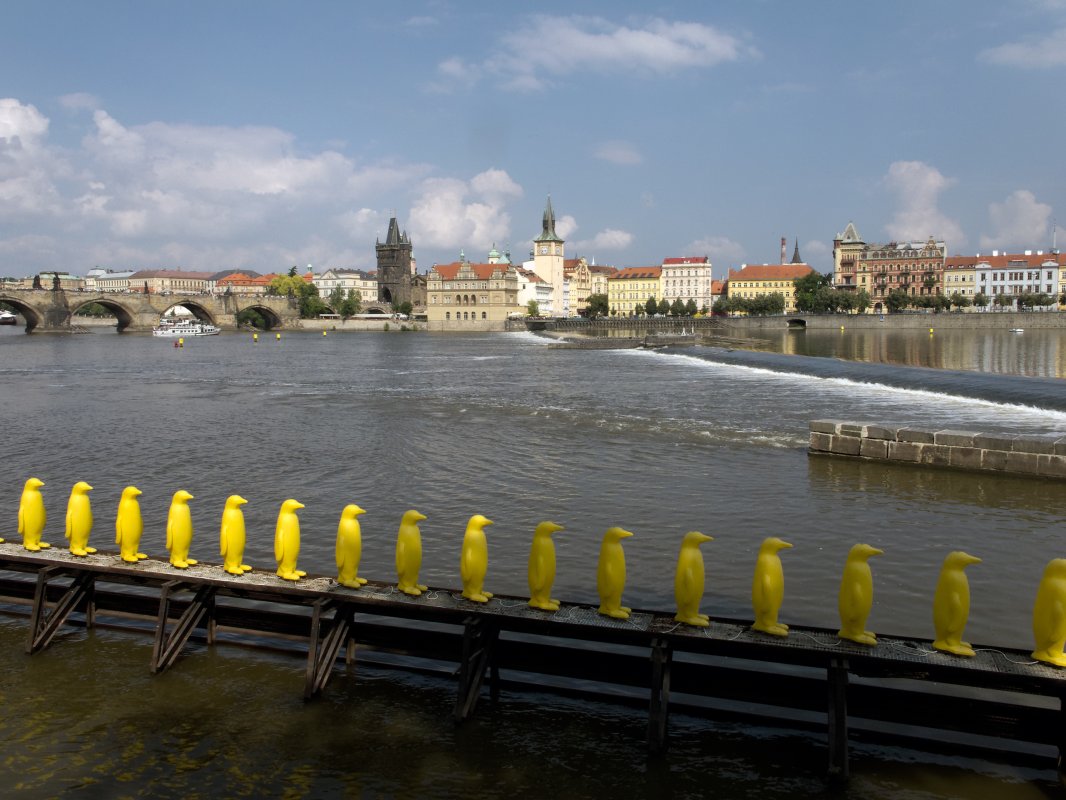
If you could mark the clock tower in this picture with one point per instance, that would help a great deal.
(548, 258)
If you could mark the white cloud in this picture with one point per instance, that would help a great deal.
(197, 196)
(1019, 221)
(561, 45)
(918, 186)
(1032, 53)
(721, 249)
(453, 213)
(618, 152)
(565, 225)
(607, 239)
(79, 101)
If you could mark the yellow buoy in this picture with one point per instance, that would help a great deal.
(255, 337)
(278, 335)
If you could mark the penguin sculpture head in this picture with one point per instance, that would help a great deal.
(774, 545)
(131, 493)
(291, 505)
(351, 511)
(547, 529)
(412, 517)
(182, 496)
(960, 560)
(862, 552)
(1056, 568)
(33, 483)
(234, 501)
(695, 539)
(478, 522)
(81, 487)
(616, 534)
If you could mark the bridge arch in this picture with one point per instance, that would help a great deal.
(271, 318)
(196, 308)
(28, 312)
(122, 314)
(797, 324)
(377, 309)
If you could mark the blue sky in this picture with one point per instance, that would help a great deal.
(266, 134)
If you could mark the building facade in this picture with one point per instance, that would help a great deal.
(687, 278)
(467, 296)
(363, 283)
(628, 289)
(1007, 275)
(756, 280)
(170, 281)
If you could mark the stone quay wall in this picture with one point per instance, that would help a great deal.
(1039, 455)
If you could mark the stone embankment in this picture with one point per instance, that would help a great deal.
(1040, 455)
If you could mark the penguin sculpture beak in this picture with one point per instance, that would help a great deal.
(967, 559)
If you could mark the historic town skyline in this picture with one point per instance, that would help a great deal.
(152, 137)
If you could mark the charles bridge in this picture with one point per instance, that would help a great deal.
(54, 309)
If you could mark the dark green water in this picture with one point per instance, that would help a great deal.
(501, 425)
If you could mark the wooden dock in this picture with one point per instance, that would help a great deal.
(901, 691)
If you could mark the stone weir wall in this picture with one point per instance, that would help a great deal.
(1042, 455)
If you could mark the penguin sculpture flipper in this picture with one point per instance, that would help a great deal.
(22, 520)
(69, 522)
(170, 533)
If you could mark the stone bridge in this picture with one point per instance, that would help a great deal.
(53, 309)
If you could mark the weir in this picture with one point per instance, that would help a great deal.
(900, 691)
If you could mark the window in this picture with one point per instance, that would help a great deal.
(484, 315)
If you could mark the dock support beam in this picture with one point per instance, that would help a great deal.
(44, 626)
(167, 648)
(479, 641)
(659, 707)
(837, 678)
(322, 653)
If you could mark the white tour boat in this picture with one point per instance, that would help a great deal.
(175, 329)
(7, 318)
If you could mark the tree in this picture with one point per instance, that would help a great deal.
(533, 308)
(292, 271)
(597, 306)
(677, 308)
(1003, 300)
(897, 300)
(351, 305)
(960, 301)
(651, 307)
(722, 306)
(690, 307)
(861, 301)
(664, 307)
(808, 288)
(251, 317)
(981, 299)
(405, 308)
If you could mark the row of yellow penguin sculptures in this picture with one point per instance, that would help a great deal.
(951, 602)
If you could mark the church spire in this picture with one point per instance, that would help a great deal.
(796, 254)
(394, 233)
(548, 233)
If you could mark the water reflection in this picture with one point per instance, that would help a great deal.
(1038, 353)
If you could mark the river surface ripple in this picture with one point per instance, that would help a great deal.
(660, 442)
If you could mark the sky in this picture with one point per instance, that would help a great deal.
(262, 135)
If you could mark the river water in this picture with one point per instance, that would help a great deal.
(660, 442)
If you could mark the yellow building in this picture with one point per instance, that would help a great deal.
(961, 279)
(466, 296)
(629, 289)
(766, 279)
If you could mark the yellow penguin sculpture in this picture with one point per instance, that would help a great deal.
(768, 588)
(542, 567)
(32, 515)
(611, 574)
(1049, 614)
(231, 536)
(80, 519)
(287, 540)
(689, 579)
(179, 530)
(349, 547)
(474, 560)
(857, 595)
(129, 526)
(951, 604)
(409, 554)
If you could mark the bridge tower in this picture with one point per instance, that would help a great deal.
(394, 266)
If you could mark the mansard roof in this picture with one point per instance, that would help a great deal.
(633, 273)
(482, 272)
(686, 260)
(770, 272)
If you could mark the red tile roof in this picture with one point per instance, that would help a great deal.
(482, 272)
(770, 272)
(1004, 259)
(637, 272)
(686, 260)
